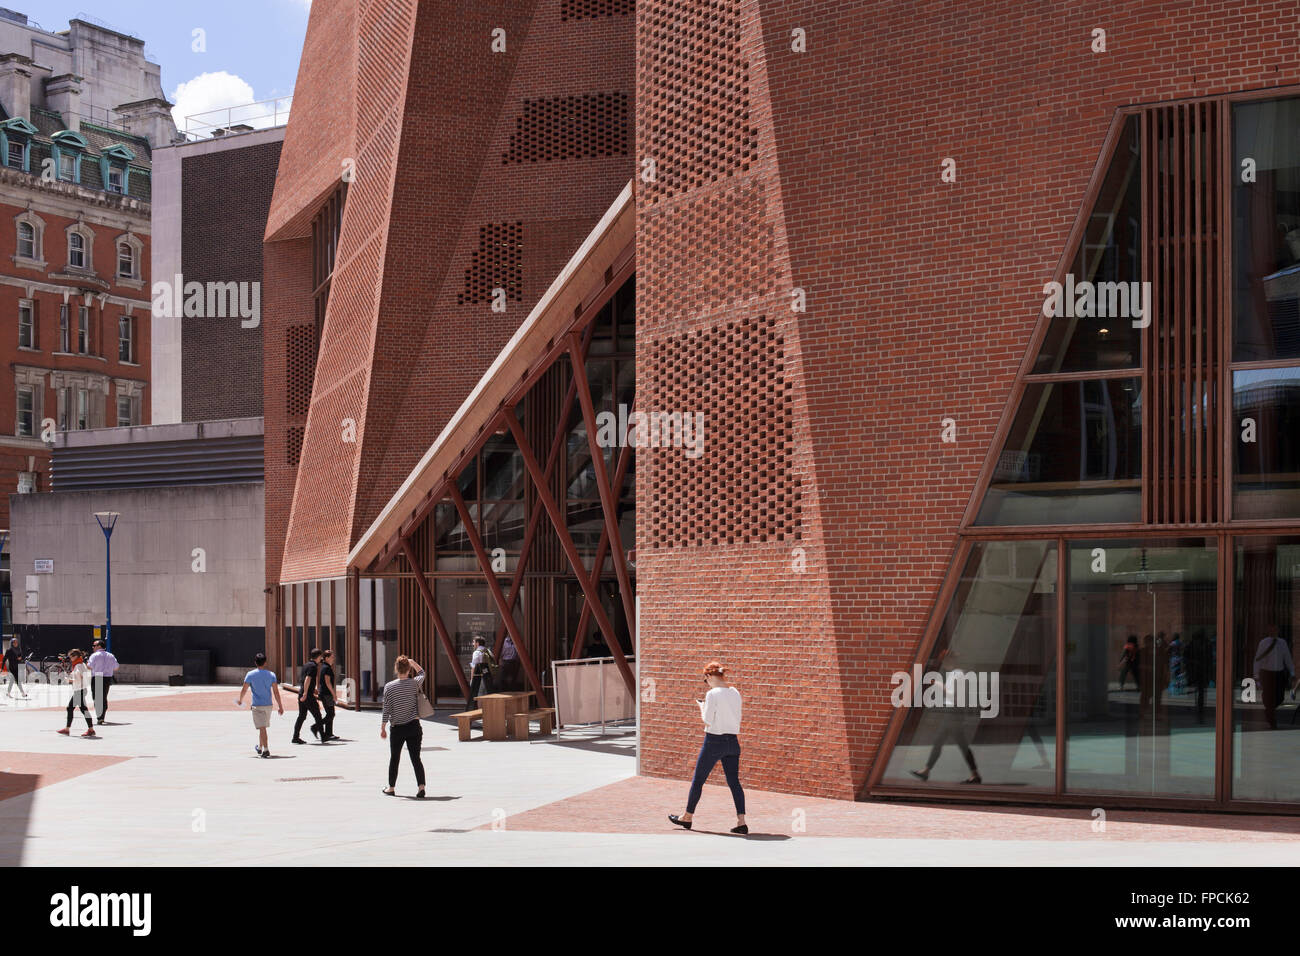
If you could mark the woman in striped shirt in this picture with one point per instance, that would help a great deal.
(402, 710)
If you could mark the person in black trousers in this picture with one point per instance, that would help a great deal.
(15, 663)
(720, 710)
(327, 695)
(307, 703)
(402, 711)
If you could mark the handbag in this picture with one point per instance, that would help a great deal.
(425, 707)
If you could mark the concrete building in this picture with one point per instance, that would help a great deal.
(186, 549)
(211, 198)
(850, 239)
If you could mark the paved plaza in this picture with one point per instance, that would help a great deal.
(174, 780)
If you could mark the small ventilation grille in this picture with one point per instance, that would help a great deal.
(498, 263)
(591, 9)
(293, 447)
(739, 489)
(555, 128)
(300, 368)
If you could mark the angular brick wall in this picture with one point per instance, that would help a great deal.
(921, 297)
(459, 188)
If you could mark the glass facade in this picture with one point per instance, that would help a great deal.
(1266, 619)
(1266, 231)
(1140, 637)
(1073, 456)
(1114, 638)
(1001, 628)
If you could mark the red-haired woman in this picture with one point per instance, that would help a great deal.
(720, 710)
(80, 684)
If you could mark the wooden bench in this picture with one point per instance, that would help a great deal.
(519, 722)
(463, 721)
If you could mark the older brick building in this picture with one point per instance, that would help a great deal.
(75, 193)
(845, 227)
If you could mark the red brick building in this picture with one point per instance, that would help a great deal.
(75, 201)
(846, 230)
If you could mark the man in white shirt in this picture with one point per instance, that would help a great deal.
(103, 665)
(1272, 665)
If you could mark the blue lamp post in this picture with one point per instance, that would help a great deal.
(107, 519)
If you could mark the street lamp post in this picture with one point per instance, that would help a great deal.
(107, 519)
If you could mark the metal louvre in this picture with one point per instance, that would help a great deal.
(1183, 210)
(211, 461)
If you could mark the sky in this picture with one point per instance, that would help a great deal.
(249, 48)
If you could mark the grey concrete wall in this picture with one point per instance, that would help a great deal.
(154, 581)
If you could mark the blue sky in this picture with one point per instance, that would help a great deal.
(252, 46)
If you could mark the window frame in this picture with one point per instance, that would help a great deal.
(30, 392)
(28, 306)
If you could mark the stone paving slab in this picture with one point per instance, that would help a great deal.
(182, 786)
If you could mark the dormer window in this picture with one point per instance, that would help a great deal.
(16, 143)
(114, 167)
(67, 150)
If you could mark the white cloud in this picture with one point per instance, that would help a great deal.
(208, 92)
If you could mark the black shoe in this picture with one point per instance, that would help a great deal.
(973, 778)
(389, 791)
(266, 753)
(297, 740)
(743, 828)
(419, 794)
(315, 731)
(920, 774)
(257, 749)
(684, 824)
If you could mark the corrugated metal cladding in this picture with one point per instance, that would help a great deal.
(208, 461)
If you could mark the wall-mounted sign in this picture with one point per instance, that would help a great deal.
(44, 565)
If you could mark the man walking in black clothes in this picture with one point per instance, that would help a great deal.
(15, 664)
(307, 697)
(327, 695)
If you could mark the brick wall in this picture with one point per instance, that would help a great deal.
(921, 297)
(225, 199)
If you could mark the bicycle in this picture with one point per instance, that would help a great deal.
(54, 666)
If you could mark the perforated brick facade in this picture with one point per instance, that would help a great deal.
(805, 279)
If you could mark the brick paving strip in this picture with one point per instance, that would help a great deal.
(641, 805)
(25, 772)
(179, 703)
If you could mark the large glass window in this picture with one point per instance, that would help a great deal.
(990, 716)
(1141, 635)
(1266, 442)
(1266, 230)
(1073, 456)
(1266, 620)
(1102, 276)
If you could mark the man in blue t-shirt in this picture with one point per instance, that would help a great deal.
(261, 681)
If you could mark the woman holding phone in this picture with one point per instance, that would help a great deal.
(720, 710)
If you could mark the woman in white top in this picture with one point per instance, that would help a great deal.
(80, 683)
(720, 710)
